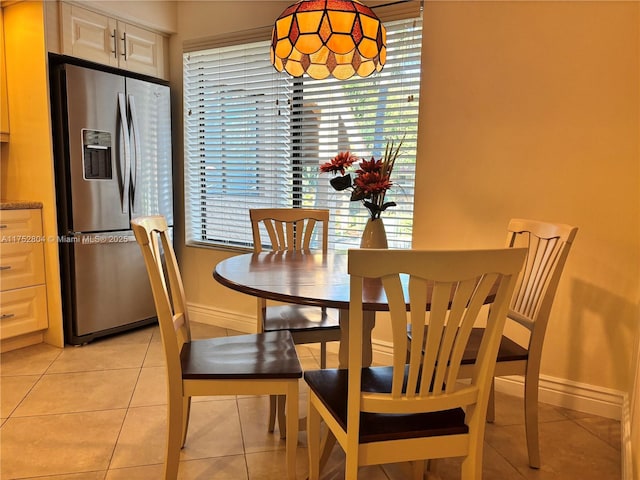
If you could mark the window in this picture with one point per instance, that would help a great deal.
(255, 138)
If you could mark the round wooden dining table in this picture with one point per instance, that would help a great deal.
(305, 278)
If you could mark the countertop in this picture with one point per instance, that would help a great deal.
(18, 204)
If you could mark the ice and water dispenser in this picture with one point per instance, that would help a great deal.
(96, 155)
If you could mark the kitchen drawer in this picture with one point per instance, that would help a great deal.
(20, 224)
(23, 310)
(21, 265)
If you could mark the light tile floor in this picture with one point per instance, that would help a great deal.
(98, 412)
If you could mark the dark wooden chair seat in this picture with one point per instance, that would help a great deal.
(301, 320)
(263, 356)
(331, 387)
(509, 351)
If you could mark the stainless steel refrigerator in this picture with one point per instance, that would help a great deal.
(112, 140)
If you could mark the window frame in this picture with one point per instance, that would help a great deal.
(297, 184)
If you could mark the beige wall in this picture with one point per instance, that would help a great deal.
(531, 109)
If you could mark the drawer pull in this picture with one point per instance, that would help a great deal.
(5, 267)
(3, 226)
(4, 316)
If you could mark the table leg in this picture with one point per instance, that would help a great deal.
(368, 322)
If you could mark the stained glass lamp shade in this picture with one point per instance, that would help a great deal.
(342, 38)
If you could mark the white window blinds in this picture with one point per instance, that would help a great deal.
(255, 138)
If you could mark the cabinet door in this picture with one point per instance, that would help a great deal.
(141, 50)
(23, 311)
(20, 222)
(22, 264)
(89, 35)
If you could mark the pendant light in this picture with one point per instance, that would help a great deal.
(342, 38)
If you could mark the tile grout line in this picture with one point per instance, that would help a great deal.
(26, 394)
(124, 418)
(595, 435)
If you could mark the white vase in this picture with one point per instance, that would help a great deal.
(374, 235)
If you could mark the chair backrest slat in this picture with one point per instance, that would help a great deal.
(548, 245)
(289, 228)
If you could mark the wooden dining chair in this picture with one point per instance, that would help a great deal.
(415, 410)
(294, 229)
(548, 246)
(237, 365)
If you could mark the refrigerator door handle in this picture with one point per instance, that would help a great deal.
(125, 163)
(136, 158)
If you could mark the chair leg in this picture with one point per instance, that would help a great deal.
(174, 437)
(471, 471)
(472, 462)
(313, 442)
(186, 411)
(351, 466)
(282, 417)
(273, 406)
(531, 419)
(292, 428)
(472, 465)
(323, 355)
(417, 469)
(432, 465)
(491, 406)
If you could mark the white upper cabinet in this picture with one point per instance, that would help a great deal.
(103, 39)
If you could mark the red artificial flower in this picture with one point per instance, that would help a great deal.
(339, 163)
(372, 165)
(372, 179)
(372, 183)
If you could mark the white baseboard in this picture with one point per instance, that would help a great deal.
(560, 392)
(627, 447)
(222, 318)
(565, 393)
